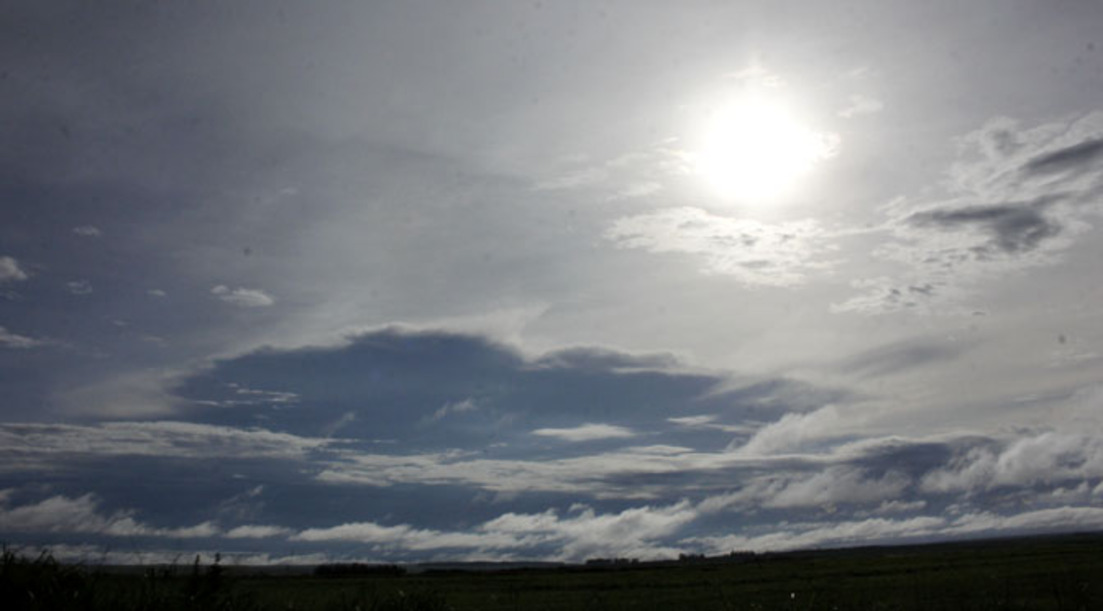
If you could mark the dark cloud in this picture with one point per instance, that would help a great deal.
(408, 386)
(1013, 227)
(1075, 157)
(596, 359)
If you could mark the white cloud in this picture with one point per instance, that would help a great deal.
(753, 252)
(627, 176)
(708, 421)
(639, 189)
(838, 485)
(403, 537)
(62, 514)
(692, 421)
(87, 231)
(459, 407)
(156, 293)
(79, 287)
(1055, 518)
(793, 432)
(901, 506)
(631, 532)
(254, 531)
(14, 340)
(243, 297)
(1045, 459)
(861, 105)
(10, 270)
(587, 432)
(815, 534)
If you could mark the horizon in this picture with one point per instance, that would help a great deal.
(246, 562)
(439, 282)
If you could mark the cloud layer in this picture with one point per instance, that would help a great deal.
(536, 474)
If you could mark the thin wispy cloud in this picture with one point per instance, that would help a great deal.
(79, 287)
(861, 105)
(243, 297)
(749, 251)
(87, 231)
(17, 341)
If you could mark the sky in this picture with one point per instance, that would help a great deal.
(424, 281)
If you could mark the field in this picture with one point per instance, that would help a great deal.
(1061, 572)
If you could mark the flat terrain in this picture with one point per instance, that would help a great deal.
(1059, 572)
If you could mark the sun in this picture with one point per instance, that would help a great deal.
(756, 149)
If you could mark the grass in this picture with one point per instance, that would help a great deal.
(1051, 573)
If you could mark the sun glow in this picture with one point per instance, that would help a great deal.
(756, 149)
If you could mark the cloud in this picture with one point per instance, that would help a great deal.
(874, 530)
(47, 444)
(794, 431)
(827, 489)
(709, 421)
(398, 382)
(459, 407)
(241, 396)
(1015, 198)
(631, 175)
(634, 472)
(10, 270)
(1048, 459)
(404, 538)
(79, 287)
(901, 357)
(816, 534)
(752, 252)
(628, 533)
(884, 295)
(255, 531)
(1051, 519)
(156, 293)
(861, 105)
(880, 489)
(61, 514)
(587, 432)
(443, 419)
(1011, 228)
(693, 421)
(16, 341)
(639, 189)
(1076, 157)
(243, 297)
(87, 231)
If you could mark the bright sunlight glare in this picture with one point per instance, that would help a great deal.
(755, 149)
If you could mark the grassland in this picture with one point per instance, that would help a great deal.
(1059, 573)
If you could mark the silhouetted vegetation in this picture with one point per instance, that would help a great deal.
(1051, 573)
(358, 569)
